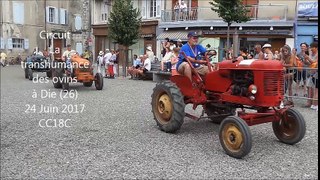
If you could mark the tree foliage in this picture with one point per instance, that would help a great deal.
(124, 23)
(230, 10)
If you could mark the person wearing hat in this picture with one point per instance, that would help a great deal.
(193, 51)
(100, 62)
(268, 55)
(150, 53)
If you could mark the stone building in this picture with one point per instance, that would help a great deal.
(44, 24)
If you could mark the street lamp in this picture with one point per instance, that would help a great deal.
(187, 28)
(240, 28)
(211, 28)
(271, 28)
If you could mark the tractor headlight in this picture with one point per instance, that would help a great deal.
(253, 89)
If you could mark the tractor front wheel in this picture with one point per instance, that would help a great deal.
(168, 106)
(291, 128)
(98, 81)
(235, 137)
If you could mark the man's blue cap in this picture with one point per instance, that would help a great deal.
(193, 34)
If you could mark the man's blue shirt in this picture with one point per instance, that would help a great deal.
(198, 50)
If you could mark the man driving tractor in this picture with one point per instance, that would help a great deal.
(66, 57)
(194, 52)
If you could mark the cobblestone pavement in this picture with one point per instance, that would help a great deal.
(116, 137)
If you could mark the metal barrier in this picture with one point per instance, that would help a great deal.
(301, 83)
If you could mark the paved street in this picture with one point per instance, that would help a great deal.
(115, 136)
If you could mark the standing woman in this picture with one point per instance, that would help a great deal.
(177, 11)
(288, 60)
(111, 64)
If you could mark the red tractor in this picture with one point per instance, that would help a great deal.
(236, 94)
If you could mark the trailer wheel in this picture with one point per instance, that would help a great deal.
(26, 75)
(30, 74)
(291, 128)
(56, 78)
(98, 81)
(168, 106)
(49, 74)
(65, 82)
(235, 137)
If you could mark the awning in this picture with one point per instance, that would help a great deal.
(174, 35)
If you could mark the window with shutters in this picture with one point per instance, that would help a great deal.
(51, 15)
(104, 10)
(63, 16)
(17, 43)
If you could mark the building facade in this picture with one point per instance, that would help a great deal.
(150, 13)
(271, 22)
(44, 24)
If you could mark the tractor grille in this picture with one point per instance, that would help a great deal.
(273, 83)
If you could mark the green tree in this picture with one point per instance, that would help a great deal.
(124, 25)
(231, 11)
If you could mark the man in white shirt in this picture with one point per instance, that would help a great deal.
(106, 61)
(66, 57)
(66, 53)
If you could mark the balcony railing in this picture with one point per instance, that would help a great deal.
(256, 12)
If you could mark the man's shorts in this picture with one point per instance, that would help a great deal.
(145, 70)
(202, 70)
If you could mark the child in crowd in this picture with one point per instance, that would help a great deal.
(174, 60)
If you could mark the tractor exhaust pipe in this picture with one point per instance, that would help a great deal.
(235, 45)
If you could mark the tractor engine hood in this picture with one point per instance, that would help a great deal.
(251, 64)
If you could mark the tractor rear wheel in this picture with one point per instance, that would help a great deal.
(168, 106)
(88, 84)
(215, 111)
(291, 128)
(235, 137)
(98, 81)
